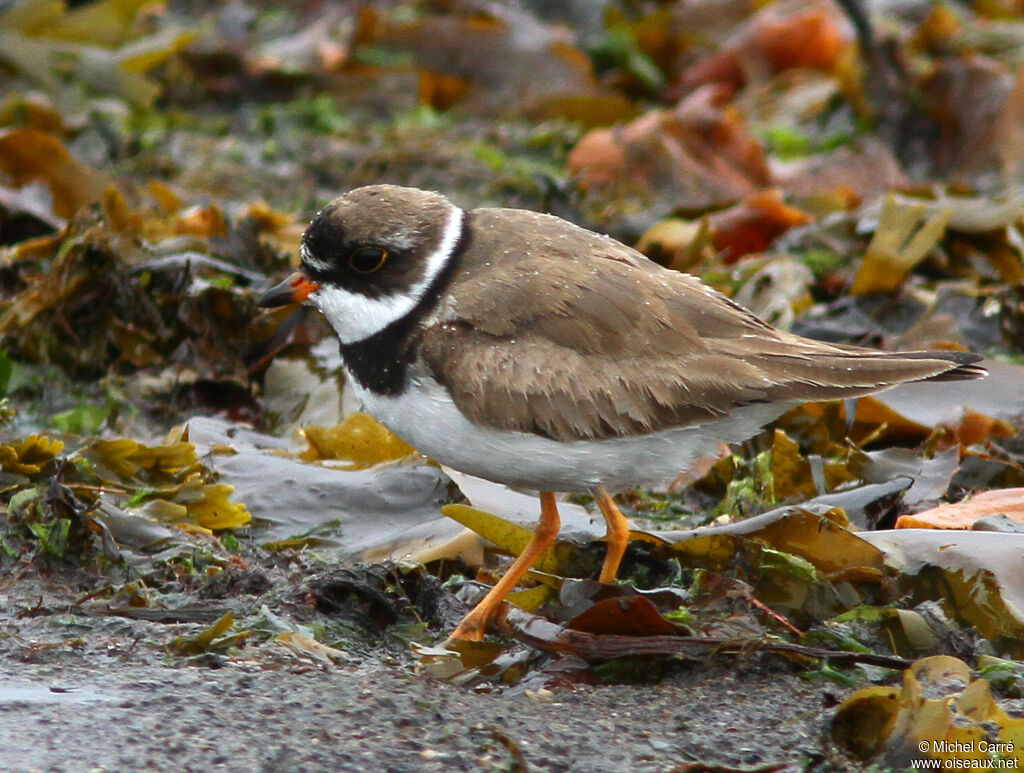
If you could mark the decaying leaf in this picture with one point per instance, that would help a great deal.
(781, 36)
(101, 43)
(215, 638)
(534, 598)
(940, 713)
(906, 231)
(961, 515)
(174, 484)
(504, 60)
(976, 102)
(306, 646)
(209, 505)
(701, 151)
(625, 614)
(127, 457)
(360, 439)
(845, 176)
(124, 289)
(792, 475)
(931, 476)
(30, 155)
(975, 575)
(509, 537)
(106, 22)
(753, 224)
(29, 456)
(777, 291)
(979, 214)
(820, 539)
(866, 719)
(677, 243)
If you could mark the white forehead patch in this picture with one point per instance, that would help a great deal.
(310, 260)
(355, 316)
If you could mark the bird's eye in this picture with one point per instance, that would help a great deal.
(366, 260)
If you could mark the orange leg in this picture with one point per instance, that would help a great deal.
(617, 536)
(475, 623)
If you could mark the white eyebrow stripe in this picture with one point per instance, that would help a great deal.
(355, 316)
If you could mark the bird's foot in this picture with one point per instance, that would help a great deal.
(473, 627)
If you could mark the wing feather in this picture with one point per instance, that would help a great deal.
(612, 345)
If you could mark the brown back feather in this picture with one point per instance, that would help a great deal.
(586, 341)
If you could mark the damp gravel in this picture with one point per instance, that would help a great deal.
(121, 717)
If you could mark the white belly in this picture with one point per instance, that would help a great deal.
(426, 417)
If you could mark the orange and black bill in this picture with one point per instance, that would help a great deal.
(294, 289)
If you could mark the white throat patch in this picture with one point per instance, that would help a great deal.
(355, 316)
